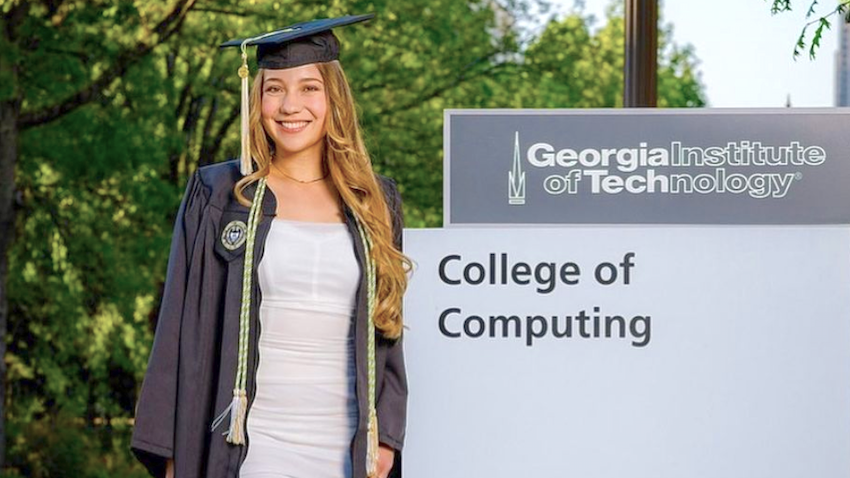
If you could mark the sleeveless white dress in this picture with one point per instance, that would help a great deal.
(304, 416)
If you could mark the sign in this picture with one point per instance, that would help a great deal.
(603, 352)
(778, 166)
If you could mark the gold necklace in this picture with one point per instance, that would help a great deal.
(309, 181)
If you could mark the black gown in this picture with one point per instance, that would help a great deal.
(192, 367)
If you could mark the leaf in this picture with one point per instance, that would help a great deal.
(780, 6)
(822, 21)
(823, 24)
(811, 10)
(801, 43)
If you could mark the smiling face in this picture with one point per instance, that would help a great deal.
(294, 108)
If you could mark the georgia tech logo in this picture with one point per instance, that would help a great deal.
(516, 177)
(746, 167)
(234, 235)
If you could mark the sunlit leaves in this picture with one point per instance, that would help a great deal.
(821, 23)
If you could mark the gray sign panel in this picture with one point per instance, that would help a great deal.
(725, 166)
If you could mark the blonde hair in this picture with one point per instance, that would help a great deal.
(349, 167)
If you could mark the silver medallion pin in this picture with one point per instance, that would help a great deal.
(234, 235)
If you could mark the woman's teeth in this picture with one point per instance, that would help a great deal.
(292, 125)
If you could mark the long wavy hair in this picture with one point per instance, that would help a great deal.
(350, 168)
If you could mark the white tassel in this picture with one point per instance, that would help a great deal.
(220, 418)
(237, 410)
(236, 434)
(372, 445)
(245, 164)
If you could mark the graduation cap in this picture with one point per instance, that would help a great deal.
(296, 45)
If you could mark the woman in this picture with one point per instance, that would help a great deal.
(307, 248)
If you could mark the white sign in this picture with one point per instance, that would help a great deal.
(660, 352)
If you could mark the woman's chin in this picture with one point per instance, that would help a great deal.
(292, 148)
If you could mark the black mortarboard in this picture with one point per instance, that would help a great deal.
(296, 45)
(299, 44)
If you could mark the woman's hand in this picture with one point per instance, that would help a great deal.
(169, 469)
(386, 455)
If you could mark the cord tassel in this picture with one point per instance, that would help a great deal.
(220, 418)
(372, 444)
(236, 410)
(236, 433)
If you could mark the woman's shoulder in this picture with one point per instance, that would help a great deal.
(219, 179)
(220, 175)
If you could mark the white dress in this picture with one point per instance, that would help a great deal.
(304, 416)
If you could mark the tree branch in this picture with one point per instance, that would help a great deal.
(13, 19)
(204, 156)
(83, 57)
(222, 130)
(440, 91)
(53, 6)
(185, 93)
(222, 11)
(458, 80)
(164, 30)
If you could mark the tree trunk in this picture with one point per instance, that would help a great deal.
(8, 156)
(10, 108)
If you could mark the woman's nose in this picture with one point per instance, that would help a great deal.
(290, 103)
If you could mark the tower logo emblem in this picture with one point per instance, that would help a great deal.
(516, 177)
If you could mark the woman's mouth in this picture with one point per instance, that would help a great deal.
(292, 126)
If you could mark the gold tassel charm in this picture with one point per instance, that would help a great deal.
(372, 444)
(245, 163)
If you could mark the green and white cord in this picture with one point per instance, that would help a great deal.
(239, 405)
(372, 435)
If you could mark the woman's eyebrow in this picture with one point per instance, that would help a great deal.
(310, 78)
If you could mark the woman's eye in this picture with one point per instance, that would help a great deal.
(272, 89)
(311, 88)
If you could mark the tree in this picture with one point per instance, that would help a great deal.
(33, 47)
(98, 184)
(820, 22)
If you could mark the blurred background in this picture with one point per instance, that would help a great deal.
(106, 107)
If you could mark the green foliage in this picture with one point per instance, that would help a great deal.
(571, 65)
(100, 186)
(819, 22)
(62, 447)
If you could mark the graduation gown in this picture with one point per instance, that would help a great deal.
(192, 366)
